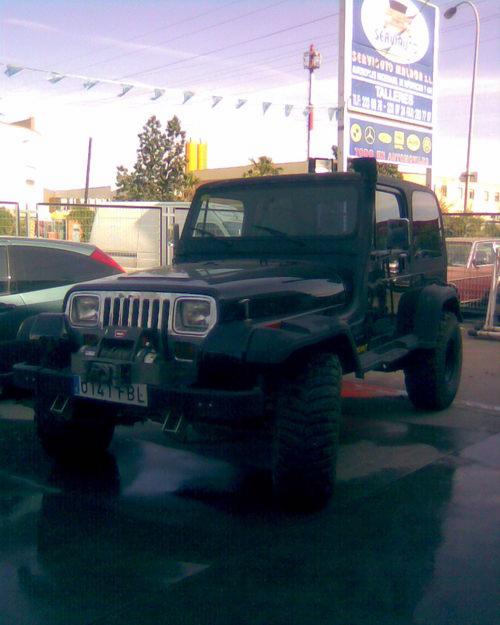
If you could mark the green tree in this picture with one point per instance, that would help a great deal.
(7, 222)
(85, 217)
(263, 166)
(159, 172)
(388, 169)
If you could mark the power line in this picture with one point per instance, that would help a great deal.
(161, 28)
(193, 32)
(233, 45)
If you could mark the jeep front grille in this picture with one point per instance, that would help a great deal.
(135, 311)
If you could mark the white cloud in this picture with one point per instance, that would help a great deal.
(38, 26)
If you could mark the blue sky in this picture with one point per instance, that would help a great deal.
(231, 48)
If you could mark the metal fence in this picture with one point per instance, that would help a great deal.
(472, 225)
(13, 219)
(137, 235)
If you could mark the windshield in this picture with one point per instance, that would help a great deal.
(458, 253)
(275, 211)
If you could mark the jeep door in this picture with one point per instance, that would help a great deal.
(388, 271)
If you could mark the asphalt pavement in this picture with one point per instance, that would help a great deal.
(159, 533)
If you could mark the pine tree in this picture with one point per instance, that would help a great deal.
(159, 173)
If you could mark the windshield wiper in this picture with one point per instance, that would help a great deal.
(280, 234)
(211, 235)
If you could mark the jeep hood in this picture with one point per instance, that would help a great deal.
(272, 286)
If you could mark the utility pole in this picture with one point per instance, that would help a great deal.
(312, 61)
(88, 172)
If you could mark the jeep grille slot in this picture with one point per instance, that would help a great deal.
(136, 311)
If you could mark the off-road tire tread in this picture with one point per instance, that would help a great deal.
(307, 431)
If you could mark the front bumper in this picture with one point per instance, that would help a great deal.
(197, 404)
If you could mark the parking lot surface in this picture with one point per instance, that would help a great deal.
(158, 533)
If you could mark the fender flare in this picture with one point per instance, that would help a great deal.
(53, 326)
(276, 345)
(433, 300)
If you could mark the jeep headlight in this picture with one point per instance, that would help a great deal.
(85, 310)
(193, 316)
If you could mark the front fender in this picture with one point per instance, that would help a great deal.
(276, 343)
(52, 326)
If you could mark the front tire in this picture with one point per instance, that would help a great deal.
(433, 376)
(80, 430)
(307, 433)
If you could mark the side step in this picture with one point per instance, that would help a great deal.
(384, 357)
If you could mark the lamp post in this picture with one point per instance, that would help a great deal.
(448, 14)
(312, 61)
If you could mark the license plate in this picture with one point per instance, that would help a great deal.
(131, 394)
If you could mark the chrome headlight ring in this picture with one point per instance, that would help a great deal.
(194, 314)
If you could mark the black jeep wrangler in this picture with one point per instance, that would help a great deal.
(281, 285)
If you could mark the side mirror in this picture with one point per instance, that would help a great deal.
(398, 234)
(480, 258)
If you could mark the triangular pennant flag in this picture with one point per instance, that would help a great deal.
(88, 84)
(288, 109)
(265, 106)
(55, 78)
(125, 89)
(157, 94)
(333, 111)
(215, 100)
(240, 103)
(12, 70)
(187, 96)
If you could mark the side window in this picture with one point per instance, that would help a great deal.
(426, 225)
(484, 254)
(4, 270)
(387, 209)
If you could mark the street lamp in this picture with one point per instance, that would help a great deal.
(312, 61)
(448, 14)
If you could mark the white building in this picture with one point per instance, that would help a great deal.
(19, 164)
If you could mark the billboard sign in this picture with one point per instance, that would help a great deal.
(392, 59)
(390, 143)
(387, 71)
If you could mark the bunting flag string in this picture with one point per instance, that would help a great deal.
(125, 89)
(157, 94)
(88, 83)
(55, 78)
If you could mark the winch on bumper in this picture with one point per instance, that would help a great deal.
(125, 369)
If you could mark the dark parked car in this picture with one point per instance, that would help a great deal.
(324, 275)
(35, 275)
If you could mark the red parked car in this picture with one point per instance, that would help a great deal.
(470, 267)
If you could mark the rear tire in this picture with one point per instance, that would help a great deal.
(82, 430)
(307, 433)
(433, 376)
